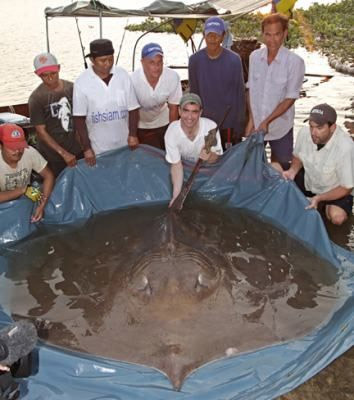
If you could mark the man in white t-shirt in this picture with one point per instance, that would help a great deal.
(17, 160)
(158, 90)
(184, 139)
(105, 107)
(323, 164)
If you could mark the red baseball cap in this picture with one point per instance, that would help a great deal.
(13, 137)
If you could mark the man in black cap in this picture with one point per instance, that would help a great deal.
(323, 164)
(105, 107)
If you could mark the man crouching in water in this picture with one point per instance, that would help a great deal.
(17, 160)
(184, 139)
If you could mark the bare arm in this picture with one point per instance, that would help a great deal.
(133, 140)
(332, 194)
(279, 110)
(173, 112)
(295, 167)
(81, 129)
(44, 136)
(48, 183)
(250, 124)
(177, 180)
(9, 195)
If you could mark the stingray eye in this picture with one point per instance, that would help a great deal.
(201, 283)
(143, 286)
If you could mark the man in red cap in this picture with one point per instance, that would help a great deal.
(17, 160)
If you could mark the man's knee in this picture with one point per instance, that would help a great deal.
(336, 215)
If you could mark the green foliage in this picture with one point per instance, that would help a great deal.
(152, 23)
(333, 28)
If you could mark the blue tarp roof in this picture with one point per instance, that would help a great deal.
(124, 178)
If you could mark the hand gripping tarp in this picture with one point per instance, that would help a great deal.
(125, 178)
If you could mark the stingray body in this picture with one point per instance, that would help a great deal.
(174, 291)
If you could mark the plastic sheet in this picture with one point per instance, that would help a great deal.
(241, 179)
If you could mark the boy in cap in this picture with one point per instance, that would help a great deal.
(50, 106)
(105, 105)
(184, 139)
(274, 81)
(323, 164)
(158, 90)
(216, 75)
(17, 160)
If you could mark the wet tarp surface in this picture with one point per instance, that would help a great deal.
(240, 180)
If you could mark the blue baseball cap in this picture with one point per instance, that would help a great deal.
(151, 50)
(215, 25)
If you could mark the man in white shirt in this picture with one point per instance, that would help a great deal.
(323, 164)
(158, 90)
(274, 82)
(17, 160)
(184, 139)
(105, 107)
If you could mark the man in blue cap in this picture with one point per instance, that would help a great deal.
(158, 90)
(216, 75)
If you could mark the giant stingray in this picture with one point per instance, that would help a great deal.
(172, 291)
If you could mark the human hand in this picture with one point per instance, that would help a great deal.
(289, 175)
(90, 157)
(249, 128)
(313, 203)
(263, 126)
(38, 213)
(133, 142)
(69, 159)
(4, 368)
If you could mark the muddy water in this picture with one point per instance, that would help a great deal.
(101, 287)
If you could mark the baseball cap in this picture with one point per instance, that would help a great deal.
(190, 98)
(151, 50)
(45, 62)
(13, 137)
(323, 114)
(215, 25)
(100, 48)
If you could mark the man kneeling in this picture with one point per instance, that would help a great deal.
(184, 139)
(17, 160)
(323, 164)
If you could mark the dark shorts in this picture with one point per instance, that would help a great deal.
(153, 137)
(282, 149)
(227, 135)
(346, 202)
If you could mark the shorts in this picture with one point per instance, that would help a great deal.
(282, 149)
(345, 203)
(154, 137)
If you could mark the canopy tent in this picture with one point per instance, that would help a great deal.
(159, 8)
(241, 179)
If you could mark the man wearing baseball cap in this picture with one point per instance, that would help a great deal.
(17, 160)
(215, 74)
(158, 90)
(184, 139)
(323, 164)
(105, 107)
(50, 106)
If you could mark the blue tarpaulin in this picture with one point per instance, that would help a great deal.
(241, 179)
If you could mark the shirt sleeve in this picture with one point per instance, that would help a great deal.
(296, 74)
(176, 93)
(38, 161)
(173, 154)
(80, 101)
(345, 169)
(131, 96)
(300, 141)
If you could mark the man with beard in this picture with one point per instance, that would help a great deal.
(323, 164)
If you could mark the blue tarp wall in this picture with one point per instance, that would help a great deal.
(241, 179)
